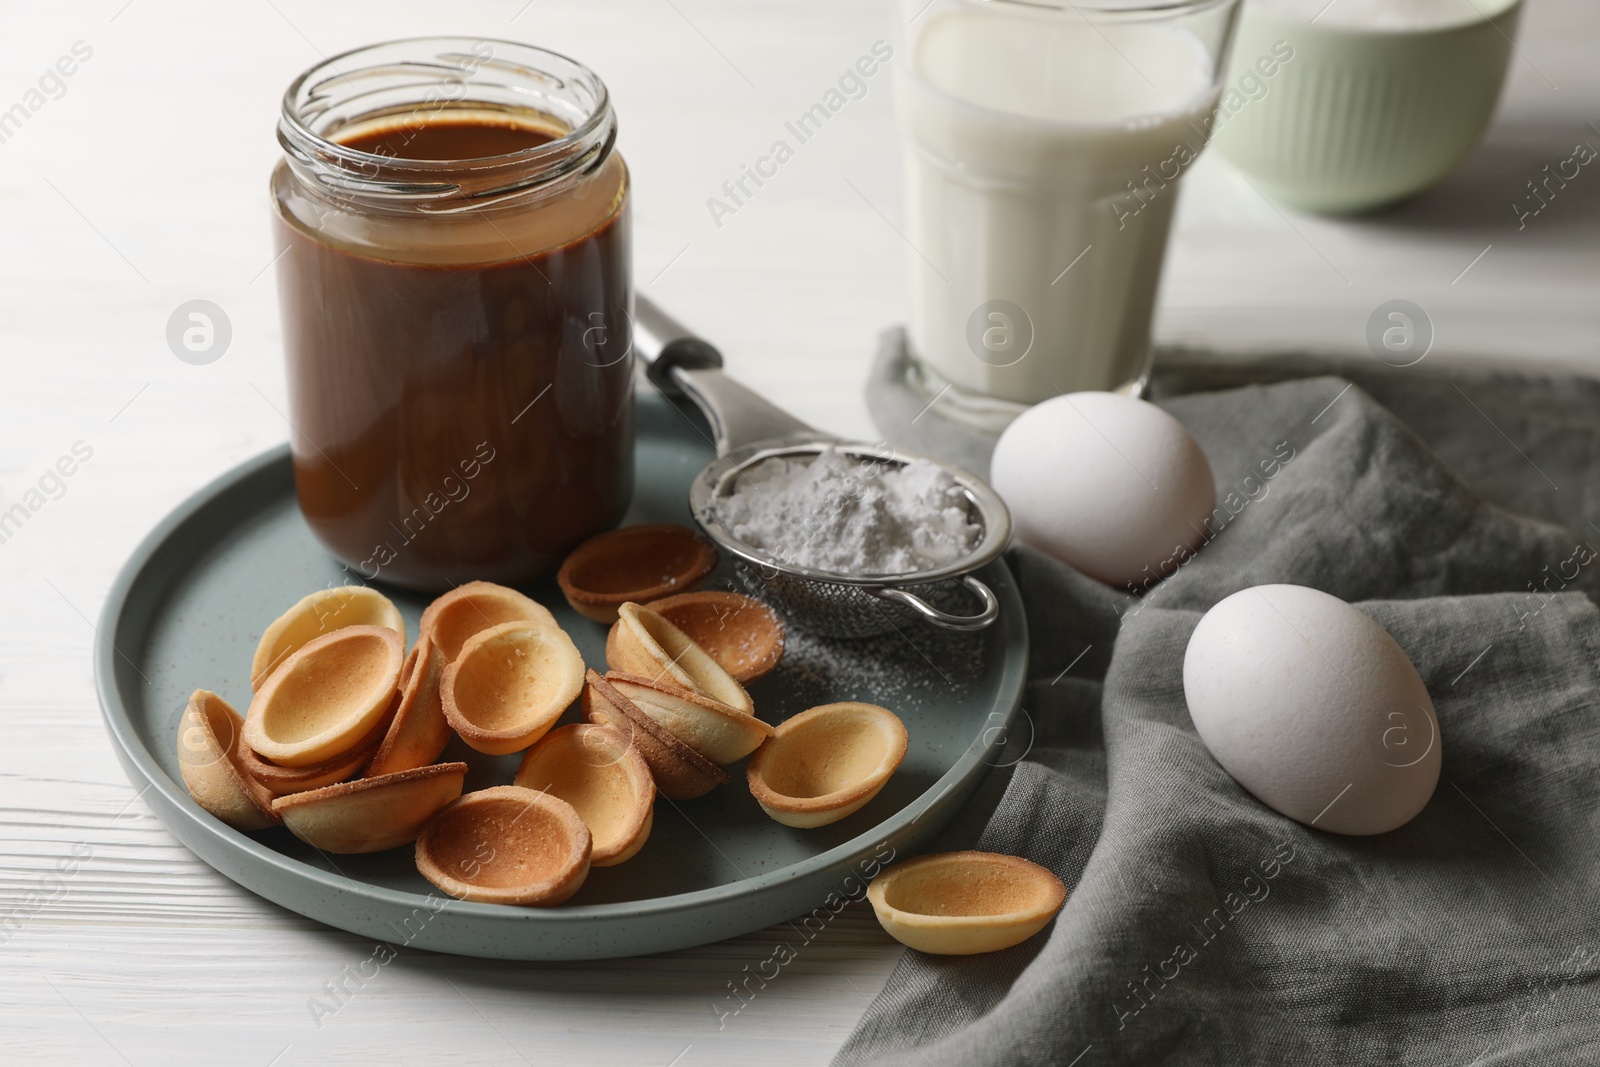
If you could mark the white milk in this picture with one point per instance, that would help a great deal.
(1035, 143)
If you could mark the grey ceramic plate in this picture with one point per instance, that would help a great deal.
(188, 607)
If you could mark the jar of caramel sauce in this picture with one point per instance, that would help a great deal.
(455, 284)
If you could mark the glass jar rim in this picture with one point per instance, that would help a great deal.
(425, 64)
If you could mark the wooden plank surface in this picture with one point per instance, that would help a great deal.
(142, 184)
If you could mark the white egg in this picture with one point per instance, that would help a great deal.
(1314, 708)
(1111, 485)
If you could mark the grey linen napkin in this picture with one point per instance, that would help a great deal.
(1203, 928)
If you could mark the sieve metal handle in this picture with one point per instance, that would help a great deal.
(683, 365)
(990, 611)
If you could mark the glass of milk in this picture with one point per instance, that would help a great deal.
(1045, 142)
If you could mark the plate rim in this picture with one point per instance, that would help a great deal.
(120, 725)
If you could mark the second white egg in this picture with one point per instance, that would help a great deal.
(1113, 486)
(1310, 705)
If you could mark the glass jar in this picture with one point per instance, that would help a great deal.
(455, 284)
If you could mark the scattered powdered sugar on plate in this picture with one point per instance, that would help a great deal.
(912, 668)
(850, 516)
(896, 670)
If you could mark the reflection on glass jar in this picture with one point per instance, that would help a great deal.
(456, 291)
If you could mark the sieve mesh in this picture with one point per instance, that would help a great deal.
(833, 610)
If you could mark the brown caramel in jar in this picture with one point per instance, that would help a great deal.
(460, 383)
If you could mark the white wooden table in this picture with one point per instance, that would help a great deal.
(140, 182)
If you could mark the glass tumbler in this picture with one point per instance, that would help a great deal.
(1045, 143)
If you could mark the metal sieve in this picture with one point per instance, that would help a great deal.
(749, 431)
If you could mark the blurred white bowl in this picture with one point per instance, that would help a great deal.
(1355, 116)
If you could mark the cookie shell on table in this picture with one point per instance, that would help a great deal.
(679, 771)
(371, 814)
(320, 613)
(467, 610)
(634, 563)
(744, 635)
(419, 731)
(596, 770)
(506, 845)
(281, 781)
(210, 739)
(326, 696)
(720, 733)
(963, 903)
(645, 644)
(510, 684)
(826, 763)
